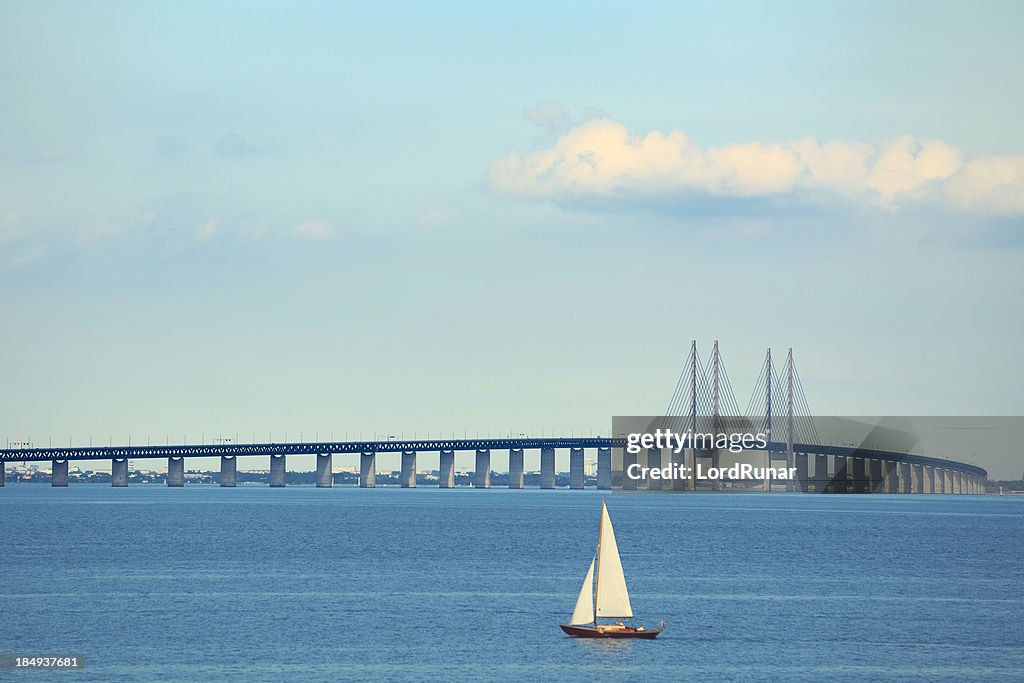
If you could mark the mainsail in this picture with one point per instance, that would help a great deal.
(584, 612)
(612, 597)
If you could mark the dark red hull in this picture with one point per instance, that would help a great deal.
(591, 632)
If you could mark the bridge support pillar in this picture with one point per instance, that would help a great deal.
(929, 479)
(891, 481)
(176, 471)
(228, 471)
(904, 477)
(547, 468)
(482, 475)
(277, 467)
(604, 468)
(821, 478)
(800, 462)
(324, 470)
(3, 472)
(716, 462)
(916, 478)
(875, 480)
(840, 482)
(446, 470)
(408, 469)
(628, 482)
(119, 472)
(860, 480)
(958, 482)
(576, 473)
(691, 484)
(940, 481)
(679, 460)
(515, 468)
(59, 473)
(367, 470)
(653, 462)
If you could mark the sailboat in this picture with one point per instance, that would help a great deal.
(604, 594)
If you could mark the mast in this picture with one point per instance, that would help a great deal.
(597, 573)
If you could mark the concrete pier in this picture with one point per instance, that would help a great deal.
(840, 482)
(3, 472)
(905, 485)
(482, 474)
(228, 471)
(547, 468)
(119, 472)
(653, 461)
(940, 480)
(802, 481)
(891, 477)
(277, 468)
(821, 478)
(716, 462)
(929, 480)
(576, 473)
(515, 468)
(604, 468)
(367, 470)
(408, 469)
(917, 478)
(628, 484)
(860, 479)
(324, 471)
(958, 482)
(176, 471)
(875, 476)
(446, 470)
(59, 473)
(679, 459)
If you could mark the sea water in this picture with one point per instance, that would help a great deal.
(302, 584)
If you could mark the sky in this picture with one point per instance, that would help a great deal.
(406, 218)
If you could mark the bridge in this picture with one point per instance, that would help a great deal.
(703, 400)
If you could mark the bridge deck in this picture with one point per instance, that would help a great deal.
(423, 445)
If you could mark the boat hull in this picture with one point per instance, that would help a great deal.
(591, 632)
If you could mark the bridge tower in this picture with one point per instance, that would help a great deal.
(768, 414)
(716, 426)
(789, 417)
(693, 415)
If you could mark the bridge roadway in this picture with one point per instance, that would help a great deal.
(836, 468)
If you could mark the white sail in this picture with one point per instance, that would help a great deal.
(584, 612)
(612, 596)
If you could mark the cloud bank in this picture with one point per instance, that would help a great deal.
(602, 159)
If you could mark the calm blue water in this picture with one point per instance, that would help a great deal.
(301, 584)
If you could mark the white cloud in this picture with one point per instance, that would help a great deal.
(208, 230)
(317, 229)
(604, 159)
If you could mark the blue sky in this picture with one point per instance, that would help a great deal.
(447, 217)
